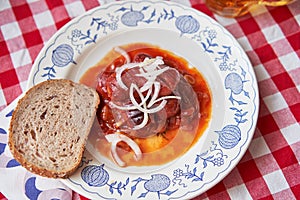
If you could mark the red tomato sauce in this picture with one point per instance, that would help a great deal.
(160, 148)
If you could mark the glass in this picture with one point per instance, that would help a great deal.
(235, 8)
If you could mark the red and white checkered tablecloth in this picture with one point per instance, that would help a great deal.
(271, 38)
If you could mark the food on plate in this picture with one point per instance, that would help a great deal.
(154, 106)
(50, 126)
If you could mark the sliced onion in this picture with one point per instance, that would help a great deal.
(146, 97)
(123, 53)
(115, 155)
(153, 73)
(131, 107)
(152, 62)
(126, 107)
(155, 94)
(119, 72)
(150, 65)
(114, 139)
(149, 69)
(143, 108)
(148, 84)
(143, 123)
(166, 97)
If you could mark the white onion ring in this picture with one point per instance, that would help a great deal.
(123, 53)
(114, 139)
(131, 107)
(149, 69)
(164, 98)
(153, 72)
(119, 72)
(144, 108)
(155, 94)
(143, 123)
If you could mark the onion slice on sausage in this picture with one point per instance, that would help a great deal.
(123, 53)
(114, 139)
(149, 69)
(120, 70)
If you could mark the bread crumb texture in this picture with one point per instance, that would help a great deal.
(50, 126)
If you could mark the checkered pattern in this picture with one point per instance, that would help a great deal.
(271, 38)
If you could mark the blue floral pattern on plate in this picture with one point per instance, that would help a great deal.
(224, 143)
(31, 189)
(10, 162)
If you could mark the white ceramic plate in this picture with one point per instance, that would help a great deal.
(203, 43)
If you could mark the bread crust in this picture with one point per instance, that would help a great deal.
(33, 167)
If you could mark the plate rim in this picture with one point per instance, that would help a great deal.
(254, 85)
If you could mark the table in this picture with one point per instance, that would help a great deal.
(271, 38)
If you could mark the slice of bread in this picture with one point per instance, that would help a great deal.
(50, 126)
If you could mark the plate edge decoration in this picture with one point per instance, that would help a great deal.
(229, 137)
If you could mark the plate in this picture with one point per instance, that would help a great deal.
(190, 34)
